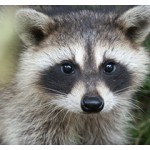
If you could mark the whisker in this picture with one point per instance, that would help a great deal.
(65, 115)
(55, 116)
(47, 88)
(116, 92)
(53, 90)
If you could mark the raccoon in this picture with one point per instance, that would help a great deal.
(76, 76)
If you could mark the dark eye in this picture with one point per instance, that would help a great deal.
(109, 67)
(67, 68)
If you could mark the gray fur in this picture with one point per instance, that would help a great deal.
(29, 115)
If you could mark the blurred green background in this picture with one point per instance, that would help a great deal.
(140, 133)
(141, 130)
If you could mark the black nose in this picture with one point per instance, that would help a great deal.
(92, 104)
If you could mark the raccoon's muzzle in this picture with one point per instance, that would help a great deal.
(92, 104)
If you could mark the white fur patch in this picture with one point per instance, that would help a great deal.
(108, 97)
(79, 55)
(72, 101)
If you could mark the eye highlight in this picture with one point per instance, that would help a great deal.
(109, 67)
(67, 68)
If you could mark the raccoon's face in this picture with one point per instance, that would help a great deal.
(82, 64)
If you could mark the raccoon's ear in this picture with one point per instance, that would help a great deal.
(135, 23)
(32, 26)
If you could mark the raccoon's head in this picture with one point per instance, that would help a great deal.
(83, 61)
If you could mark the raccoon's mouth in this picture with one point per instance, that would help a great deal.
(92, 104)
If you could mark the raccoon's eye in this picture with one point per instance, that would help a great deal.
(67, 68)
(109, 67)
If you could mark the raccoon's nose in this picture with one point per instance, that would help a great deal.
(92, 104)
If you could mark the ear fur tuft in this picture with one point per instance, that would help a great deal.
(135, 23)
(33, 26)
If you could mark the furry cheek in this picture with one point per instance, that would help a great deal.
(108, 97)
(72, 101)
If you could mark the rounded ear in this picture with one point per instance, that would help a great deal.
(32, 26)
(135, 23)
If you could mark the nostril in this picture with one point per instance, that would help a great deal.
(92, 104)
